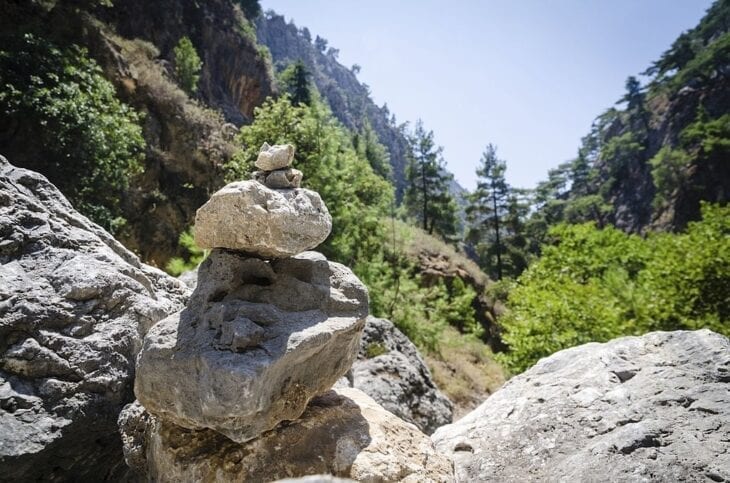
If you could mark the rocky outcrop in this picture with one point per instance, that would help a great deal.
(74, 305)
(342, 433)
(390, 370)
(634, 409)
(257, 341)
(259, 338)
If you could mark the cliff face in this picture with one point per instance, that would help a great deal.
(187, 140)
(349, 98)
(235, 77)
(638, 200)
(708, 173)
(655, 160)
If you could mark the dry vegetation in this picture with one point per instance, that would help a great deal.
(146, 72)
(465, 371)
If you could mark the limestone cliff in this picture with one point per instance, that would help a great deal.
(648, 163)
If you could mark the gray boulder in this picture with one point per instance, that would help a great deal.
(390, 370)
(249, 217)
(650, 408)
(256, 342)
(343, 433)
(74, 305)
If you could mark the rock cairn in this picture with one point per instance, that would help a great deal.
(269, 327)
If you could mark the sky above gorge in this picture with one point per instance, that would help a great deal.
(526, 75)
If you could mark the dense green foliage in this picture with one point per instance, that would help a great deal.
(187, 65)
(92, 142)
(427, 197)
(698, 54)
(295, 81)
(367, 145)
(597, 284)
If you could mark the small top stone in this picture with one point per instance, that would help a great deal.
(275, 157)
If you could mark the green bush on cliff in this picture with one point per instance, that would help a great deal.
(58, 98)
(595, 285)
(187, 65)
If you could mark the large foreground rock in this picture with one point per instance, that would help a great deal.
(651, 408)
(390, 370)
(257, 341)
(343, 433)
(74, 305)
(247, 216)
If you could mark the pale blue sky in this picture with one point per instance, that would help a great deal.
(526, 75)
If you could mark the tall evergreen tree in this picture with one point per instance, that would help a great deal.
(487, 209)
(295, 79)
(635, 98)
(427, 195)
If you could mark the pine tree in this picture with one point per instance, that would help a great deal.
(295, 79)
(487, 209)
(517, 243)
(427, 195)
(187, 65)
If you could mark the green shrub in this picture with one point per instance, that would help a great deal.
(595, 285)
(91, 141)
(668, 171)
(187, 65)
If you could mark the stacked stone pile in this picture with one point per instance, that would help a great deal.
(267, 332)
(275, 167)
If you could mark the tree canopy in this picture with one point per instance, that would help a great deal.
(427, 197)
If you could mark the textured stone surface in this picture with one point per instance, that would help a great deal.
(274, 157)
(342, 433)
(279, 179)
(74, 305)
(651, 408)
(390, 370)
(257, 341)
(316, 479)
(249, 217)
